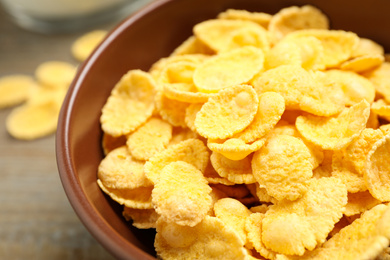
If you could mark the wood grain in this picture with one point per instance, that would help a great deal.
(36, 219)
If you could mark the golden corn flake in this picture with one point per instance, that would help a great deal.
(32, 121)
(192, 45)
(270, 109)
(149, 139)
(263, 196)
(181, 134)
(157, 68)
(182, 194)
(354, 86)
(359, 202)
(141, 218)
(217, 33)
(190, 116)
(338, 44)
(235, 171)
(236, 14)
(192, 151)
(210, 239)
(227, 113)
(364, 238)
(172, 111)
(283, 53)
(85, 44)
(367, 47)
(138, 198)
(119, 170)
(347, 173)
(295, 18)
(307, 52)
(377, 169)
(253, 227)
(335, 133)
(363, 63)
(130, 104)
(249, 36)
(234, 148)
(56, 74)
(15, 89)
(283, 167)
(300, 89)
(381, 108)
(356, 152)
(228, 69)
(380, 78)
(307, 221)
(233, 213)
(177, 83)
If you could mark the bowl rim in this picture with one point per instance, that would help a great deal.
(88, 215)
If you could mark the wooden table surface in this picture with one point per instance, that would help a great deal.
(36, 219)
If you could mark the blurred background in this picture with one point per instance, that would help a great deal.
(36, 219)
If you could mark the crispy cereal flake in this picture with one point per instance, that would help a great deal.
(227, 113)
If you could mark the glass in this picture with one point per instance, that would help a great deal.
(51, 16)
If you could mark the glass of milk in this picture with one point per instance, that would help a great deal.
(51, 16)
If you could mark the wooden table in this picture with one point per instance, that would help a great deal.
(36, 219)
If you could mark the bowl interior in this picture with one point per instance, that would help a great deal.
(136, 43)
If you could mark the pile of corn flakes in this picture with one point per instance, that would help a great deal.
(38, 99)
(260, 137)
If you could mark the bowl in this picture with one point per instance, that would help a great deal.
(137, 42)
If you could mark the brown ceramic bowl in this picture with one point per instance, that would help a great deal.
(136, 43)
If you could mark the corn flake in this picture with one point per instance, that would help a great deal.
(234, 148)
(55, 74)
(234, 214)
(364, 238)
(130, 104)
(380, 78)
(182, 194)
(149, 139)
(283, 167)
(210, 239)
(192, 151)
(217, 33)
(360, 202)
(32, 121)
(376, 170)
(236, 14)
(192, 45)
(354, 86)
(138, 198)
(270, 110)
(15, 89)
(227, 113)
(300, 89)
(335, 133)
(295, 18)
(338, 44)
(363, 63)
(238, 171)
(307, 220)
(141, 218)
(228, 69)
(119, 170)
